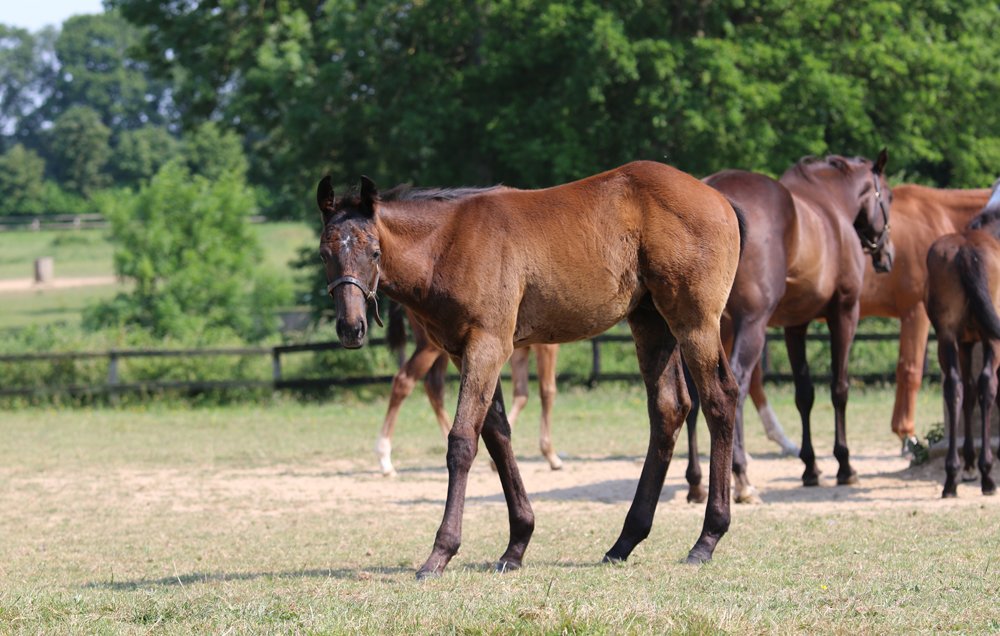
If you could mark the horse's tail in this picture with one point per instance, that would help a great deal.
(396, 333)
(741, 220)
(976, 284)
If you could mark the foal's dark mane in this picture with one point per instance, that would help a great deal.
(406, 192)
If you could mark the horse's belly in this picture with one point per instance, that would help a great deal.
(554, 321)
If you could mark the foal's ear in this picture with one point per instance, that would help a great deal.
(369, 195)
(883, 157)
(324, 198)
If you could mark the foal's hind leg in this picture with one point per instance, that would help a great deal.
(951, 387)
(434, 387)
(667, 403)
(969, 392)
(749, 334)
(519, 378)
(843, 322)
(696, 492)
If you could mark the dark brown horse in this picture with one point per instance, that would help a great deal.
(963, 291)
(431, 364)
(501, 269)
(921, 215)
(803, 260)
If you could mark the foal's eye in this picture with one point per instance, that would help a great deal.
(376, 255)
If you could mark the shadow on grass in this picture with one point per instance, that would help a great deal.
(214, 577)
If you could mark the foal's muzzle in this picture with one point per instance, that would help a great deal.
(352, 332)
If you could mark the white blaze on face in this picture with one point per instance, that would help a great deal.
(345, 245)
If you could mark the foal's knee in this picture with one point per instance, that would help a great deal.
(461, 453)
(838, 393)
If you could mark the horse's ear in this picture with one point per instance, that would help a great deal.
(883, 157)
(324, 198)
(369, 195)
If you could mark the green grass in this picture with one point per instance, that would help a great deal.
(174, 520)
(88, 253)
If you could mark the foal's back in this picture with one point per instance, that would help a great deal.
(577, 258)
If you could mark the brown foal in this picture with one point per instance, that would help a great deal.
(505, 268)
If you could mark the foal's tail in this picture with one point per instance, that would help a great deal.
(741, 219)
(976, 284)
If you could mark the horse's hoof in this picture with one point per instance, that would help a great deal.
(970, 474)
(751, 498)
(697, 495)
(809, 481)
(609, 558)
(847, 480)
(989, 493)
(790, 451)
(555, 464)
(427, 575)
(949, 494)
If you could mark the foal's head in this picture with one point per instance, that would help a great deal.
(349, 247)
(872, 220)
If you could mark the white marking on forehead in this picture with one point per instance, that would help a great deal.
(345, 245)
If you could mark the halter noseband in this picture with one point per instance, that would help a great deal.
(873, 246)
(369, 294)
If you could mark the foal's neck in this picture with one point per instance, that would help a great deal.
(411, 237)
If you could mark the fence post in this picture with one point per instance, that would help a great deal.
(595, 362)
(113, 376)
(276, 365)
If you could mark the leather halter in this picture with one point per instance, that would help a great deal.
(369, 294)
(873, 246)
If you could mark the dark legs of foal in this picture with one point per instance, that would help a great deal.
(842, 322)
(987, 398)
(476, 415)
(668, 403)
(952, 388)
(805, 395)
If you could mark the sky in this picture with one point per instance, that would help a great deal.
(35, 14)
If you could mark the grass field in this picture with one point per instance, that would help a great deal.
(274, 519)
(88, 253)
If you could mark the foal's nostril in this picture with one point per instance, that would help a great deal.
(350, 332)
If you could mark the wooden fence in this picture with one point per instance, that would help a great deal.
(32, 222)
(115, 386)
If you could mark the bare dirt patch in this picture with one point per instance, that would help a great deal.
(15, 285)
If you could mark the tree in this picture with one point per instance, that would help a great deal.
(211, 151)
(78, 147)
(22, 174)
(140, 153)
(184, 243)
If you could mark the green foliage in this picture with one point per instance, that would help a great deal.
(78, 145)
(184, 242)
(212, 152)
(26, 74)
(140, 153)
(22, 174)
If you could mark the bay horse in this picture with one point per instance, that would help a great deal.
(431, 363)
(495, 270)
(921, 214)
(963, 290)
(807, 235)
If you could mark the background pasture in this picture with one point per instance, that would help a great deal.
(274, 520)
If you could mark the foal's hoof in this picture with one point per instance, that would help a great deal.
(697, 558)
(748, 496)
(427, 575)
(949, 493)
(970, 474)
(555, 464)
(847, 480)
(614, 560)
(810, 480)
(991, 492)
(507, 566)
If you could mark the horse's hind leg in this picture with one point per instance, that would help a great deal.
(434, 387)
(805, 395)
(416, 367)
(546, 355)
(667, 403)
(749, 333)
(842, 323)
(772, 426)
(987, 397)
(496, 436)
(696, 492)
(969, 391)
(519, 378)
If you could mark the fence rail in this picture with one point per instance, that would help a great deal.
(115, 386)
(37, 222)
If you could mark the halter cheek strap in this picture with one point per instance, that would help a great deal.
(880, 240)
(369, 294)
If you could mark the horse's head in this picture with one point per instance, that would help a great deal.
(872, 220)
(349, 247)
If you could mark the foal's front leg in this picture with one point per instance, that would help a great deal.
(480, 366)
